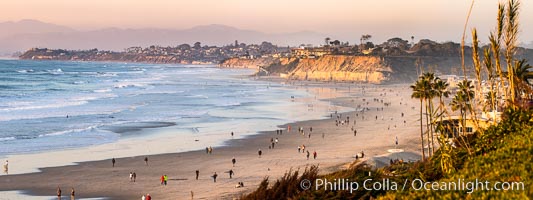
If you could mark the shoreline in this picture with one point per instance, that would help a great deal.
(243, 148)
(133, 137)
(159, 136)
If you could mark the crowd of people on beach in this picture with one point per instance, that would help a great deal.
(345, 122)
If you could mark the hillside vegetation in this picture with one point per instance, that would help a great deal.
(502, 153)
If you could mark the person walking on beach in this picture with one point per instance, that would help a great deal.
(215, 177)
(233, 161)
(206, 150)
(314, 155)
(134, 176)
(307, 154)
(6, 167)
(165, 178)
(143, 197)
(259, 152)
(230, 173)
(299, 149)
(162, 179)
(197, 174)
(58, 192)
(146, 161)
(113, 162)
(231, 133)
(131, 176)
(72, 194)
(148, 197)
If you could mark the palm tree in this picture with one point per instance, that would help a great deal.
(364, 38)
(523, 71)
(490, 97)
(467, 88)
(462, 101)
(429, 94)
(522, 74)
(441, 90)
(458, 103)
(418, 93)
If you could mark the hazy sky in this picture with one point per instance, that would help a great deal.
(440, 20)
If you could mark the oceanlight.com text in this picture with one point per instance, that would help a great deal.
(416, 184)
(467, 185)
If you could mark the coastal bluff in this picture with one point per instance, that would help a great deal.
(375, 69)
(108, 56)
(369, 69)
(248, 63)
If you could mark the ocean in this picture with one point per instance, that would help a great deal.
(56, 105)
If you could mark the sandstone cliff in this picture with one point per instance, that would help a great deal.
(248, 63)
(371, 69)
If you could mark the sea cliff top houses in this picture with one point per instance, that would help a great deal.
(183, 53)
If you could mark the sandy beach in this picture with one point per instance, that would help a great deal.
(378, 121)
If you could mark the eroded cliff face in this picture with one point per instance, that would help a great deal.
(248, 63)
(371, 69)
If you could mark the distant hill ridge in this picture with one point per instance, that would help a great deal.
(26, 34)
